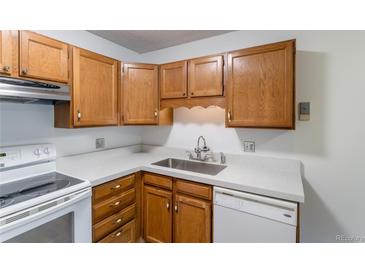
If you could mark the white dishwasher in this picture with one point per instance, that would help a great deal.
(241, 217)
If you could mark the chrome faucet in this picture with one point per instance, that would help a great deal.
(208, 154)
(198, 150)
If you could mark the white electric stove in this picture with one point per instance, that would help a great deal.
(38, 204)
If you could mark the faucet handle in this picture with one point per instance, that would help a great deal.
(189, 154)
(223, 158)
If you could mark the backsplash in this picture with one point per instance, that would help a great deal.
(33, 123)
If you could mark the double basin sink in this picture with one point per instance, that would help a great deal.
(198, 167)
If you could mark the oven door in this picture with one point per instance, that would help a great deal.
(63, 220)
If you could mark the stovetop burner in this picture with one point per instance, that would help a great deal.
(22, 190)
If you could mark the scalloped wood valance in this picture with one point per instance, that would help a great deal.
(194, 102)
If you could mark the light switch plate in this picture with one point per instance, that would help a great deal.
(304, 111)
(249, 146)
(100, 143)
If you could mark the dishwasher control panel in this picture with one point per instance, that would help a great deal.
(265, 207)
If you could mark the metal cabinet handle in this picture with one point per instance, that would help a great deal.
(6, 69)
(168, 205)
(175, 208)
(118, 221)
(115, 187)
(78, 115)
(24, 71)
(115, 204)
(229, 116)
(118, 234)
(156, 113)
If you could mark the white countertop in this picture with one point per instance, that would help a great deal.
(274, 177)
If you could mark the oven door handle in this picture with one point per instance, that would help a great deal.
(31, 214)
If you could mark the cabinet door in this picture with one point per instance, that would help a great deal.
(95, 89)
(43, 58)
(6, 52)
(192, 220)
(173, 80)
(261, 86)
(206, 76)
(140, 94)
(157, 221)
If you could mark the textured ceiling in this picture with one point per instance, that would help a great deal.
(143, 41)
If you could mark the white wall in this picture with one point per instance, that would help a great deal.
(330, 74)
(31, 124)
(87, 40)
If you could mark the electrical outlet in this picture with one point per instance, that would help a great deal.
(249, 146)
(100, 143)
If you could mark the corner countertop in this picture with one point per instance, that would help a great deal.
(274, 177)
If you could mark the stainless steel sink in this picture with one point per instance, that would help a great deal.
(198, 167)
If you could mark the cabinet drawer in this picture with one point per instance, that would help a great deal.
(113, 187)
(194, 189)
(114, 204)
(125, 234)
(113, 222)
(158, 180)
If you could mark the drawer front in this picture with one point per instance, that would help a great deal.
(113, 222)
(125, 234)
(157, 180)
(113, 188)
(113, 205)
(194, 189)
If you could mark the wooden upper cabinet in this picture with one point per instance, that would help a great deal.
(192, 220)
(206, 76)
(157, 211)
(261, 86)
(43, 58)
(140, 94)
(8, 52)
(173, 80)
(95, 89)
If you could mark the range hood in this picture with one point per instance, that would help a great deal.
(29, 91)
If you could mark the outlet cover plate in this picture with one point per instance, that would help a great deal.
(100, 143)
(249, 146)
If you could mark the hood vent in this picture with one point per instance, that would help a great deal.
(29, 91)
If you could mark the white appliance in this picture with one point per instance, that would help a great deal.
(38, 204)
(241, 217)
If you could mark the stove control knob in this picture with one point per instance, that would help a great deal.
(46, 150)
(37, 152)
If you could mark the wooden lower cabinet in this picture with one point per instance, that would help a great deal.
(157, 215)
(116, 211)
(192, 220)
(108, 225)
(180, 214)
(125, 234)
